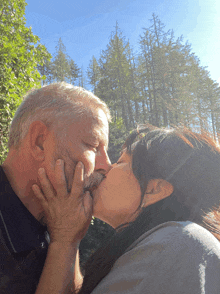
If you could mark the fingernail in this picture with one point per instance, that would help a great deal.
(41, 171)
(80, 165)
(34, 187)
(59, 162)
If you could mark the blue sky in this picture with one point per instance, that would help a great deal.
(85, 26)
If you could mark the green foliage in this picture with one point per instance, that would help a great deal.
(62, 68)
(115, 85)
(117, 137)
(20, 53)
(93, 73)
(163, 84)
(45, 69)
(5, 119)
(95, 237)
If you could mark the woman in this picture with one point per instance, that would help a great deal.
(155, 197)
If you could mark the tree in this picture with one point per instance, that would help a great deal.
(60, 65)
(63, 68)
(163, 84)
(93, 73)
(115, 78)
(45, 69)
(20, 54)
(81, 78)
(74, 72)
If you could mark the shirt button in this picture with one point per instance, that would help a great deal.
(42, 244)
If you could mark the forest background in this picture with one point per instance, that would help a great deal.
(162, 84)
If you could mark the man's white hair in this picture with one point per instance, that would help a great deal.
(55, 103)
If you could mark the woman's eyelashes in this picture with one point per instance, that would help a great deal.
(120, 162)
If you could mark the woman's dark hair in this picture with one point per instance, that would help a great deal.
(190, 162)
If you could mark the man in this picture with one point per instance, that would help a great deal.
(58, 121)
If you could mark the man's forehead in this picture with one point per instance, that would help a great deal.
(92, 127)
(100, 133)
(100, 125)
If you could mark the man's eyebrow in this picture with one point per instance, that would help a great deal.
(94, 136)
(99, 135)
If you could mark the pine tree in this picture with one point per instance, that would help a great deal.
(93, 73)
(60, 65)
(74, 72)
(163, 84)
(63, 68)
(115, 78)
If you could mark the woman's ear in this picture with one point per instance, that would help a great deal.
(157, 189)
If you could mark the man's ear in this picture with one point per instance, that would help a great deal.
(37, 135)
(157, 189)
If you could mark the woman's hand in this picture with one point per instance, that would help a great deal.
(68, 216)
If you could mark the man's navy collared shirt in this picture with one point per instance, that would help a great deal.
(21, 231)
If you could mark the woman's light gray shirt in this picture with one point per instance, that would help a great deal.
(174, 257)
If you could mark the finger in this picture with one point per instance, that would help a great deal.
(40, 196)
(46, 186)
(61, 186)
(78, 180)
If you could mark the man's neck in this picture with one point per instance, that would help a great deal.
(21, 176)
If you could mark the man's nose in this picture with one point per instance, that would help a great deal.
(103, 163)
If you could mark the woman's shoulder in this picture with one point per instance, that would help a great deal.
(172, 253)
(179, 234)
(164, 258)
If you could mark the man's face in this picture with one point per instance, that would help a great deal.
(87, 141)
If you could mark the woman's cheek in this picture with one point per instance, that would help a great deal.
(114, 195)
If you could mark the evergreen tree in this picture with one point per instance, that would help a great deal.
(60, 65)
(81, 78)
(93, 73)
(115, 77)
(63, 68)
(163, 84)
(74, 72)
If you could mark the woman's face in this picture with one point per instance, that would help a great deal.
(119, 195)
